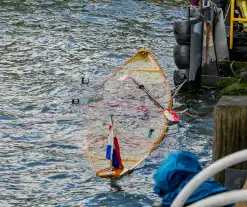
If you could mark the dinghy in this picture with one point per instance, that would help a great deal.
(129, 117)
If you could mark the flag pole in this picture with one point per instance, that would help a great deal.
(112, 137)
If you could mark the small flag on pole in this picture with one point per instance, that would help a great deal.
(113, 149)
(109, 147)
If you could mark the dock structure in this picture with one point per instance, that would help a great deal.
(230, 131)
(213, 33)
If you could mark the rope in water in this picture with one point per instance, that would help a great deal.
(146, 109)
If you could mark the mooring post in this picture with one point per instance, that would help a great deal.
(230, 130)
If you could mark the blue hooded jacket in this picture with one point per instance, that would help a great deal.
(175, 172)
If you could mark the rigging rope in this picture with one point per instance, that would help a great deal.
(178, 89)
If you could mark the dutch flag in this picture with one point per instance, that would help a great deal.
(109, 147)
(113, 149)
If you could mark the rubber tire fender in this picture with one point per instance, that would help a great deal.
(239, 53)
(179, 76)
(182, 31)
(181, 54)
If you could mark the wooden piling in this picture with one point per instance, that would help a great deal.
(230, 130)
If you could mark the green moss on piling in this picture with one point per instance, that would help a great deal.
(235, 89)
(233, 85)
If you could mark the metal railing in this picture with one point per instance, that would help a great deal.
(208, 172)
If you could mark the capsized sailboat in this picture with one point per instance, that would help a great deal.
(137, 98)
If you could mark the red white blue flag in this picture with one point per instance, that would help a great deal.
(109, 147)
(113, 149)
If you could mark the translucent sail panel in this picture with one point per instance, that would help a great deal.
(142, 61)
(134, 114)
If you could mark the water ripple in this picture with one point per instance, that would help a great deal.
(45, 46)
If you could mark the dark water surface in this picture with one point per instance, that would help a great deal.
(45, 45)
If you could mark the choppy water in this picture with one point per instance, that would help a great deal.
(45, 45)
